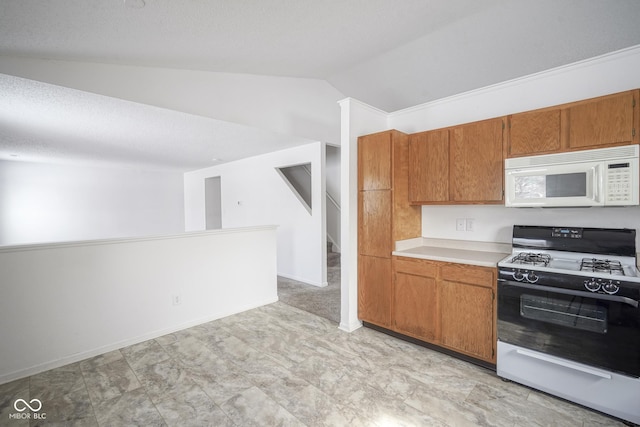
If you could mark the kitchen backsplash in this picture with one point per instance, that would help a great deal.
(494, 223)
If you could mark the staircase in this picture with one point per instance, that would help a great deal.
(333, 257)
(298, 178)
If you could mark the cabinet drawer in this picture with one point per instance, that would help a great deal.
(417, 267)
(480, 276)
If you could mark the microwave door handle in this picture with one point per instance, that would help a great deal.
(596, 181)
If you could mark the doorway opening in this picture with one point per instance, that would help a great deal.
(213, 203)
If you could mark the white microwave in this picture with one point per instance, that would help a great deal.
(600, 177)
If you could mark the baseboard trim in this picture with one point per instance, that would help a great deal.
(303, 280)
(350, 327)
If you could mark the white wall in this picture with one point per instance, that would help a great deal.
(46, 203)
(254, 193)
(607, 74)
(62, 303)
(611, 73)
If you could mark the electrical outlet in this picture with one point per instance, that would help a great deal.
(460, 224)
(471, 224)
(176, 299)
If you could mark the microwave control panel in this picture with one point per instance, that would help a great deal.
(620, 185)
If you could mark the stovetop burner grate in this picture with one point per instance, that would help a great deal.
(595, 265)
(530, 258)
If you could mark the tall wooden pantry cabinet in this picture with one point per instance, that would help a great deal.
(384, 216)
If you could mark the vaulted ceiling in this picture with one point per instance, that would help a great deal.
(388, 53)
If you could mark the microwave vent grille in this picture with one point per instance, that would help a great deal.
(625, 152)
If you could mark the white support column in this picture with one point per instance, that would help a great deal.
(357, 119)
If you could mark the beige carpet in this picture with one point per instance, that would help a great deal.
(323, 302)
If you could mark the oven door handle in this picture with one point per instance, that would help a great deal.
(606, 297)
(566, 364)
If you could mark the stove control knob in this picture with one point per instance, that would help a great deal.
(611, 287)
(518, 276)
(531, 277)
(592, 285)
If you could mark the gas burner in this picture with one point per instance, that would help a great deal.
(530, 258)
(602, 266)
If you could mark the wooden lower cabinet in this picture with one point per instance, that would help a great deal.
(467, 319)
(374, 290)
(450, 305)
(415, 306)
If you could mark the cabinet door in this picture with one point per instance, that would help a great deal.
(416, 306)
(534, 132)
(374, 290)
(467, 319)
(374, 223)
(603, 121)
(374, 161)
(429, 166)
(476, 165)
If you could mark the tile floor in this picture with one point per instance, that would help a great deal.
(280, 366)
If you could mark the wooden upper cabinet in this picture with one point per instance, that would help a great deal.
(534, 132)
(406, 219)
(374, 162)
(429, 166)
(602, 121)
(476, 165)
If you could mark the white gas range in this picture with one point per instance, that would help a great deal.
(569, 316)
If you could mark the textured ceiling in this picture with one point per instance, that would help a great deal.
(391, 54)
(510, 40)
(295, 38)
(48, 123)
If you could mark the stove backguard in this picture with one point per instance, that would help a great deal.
(597, 241)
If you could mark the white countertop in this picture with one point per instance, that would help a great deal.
(484, 254)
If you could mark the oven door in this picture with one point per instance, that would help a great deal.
(593, 329)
